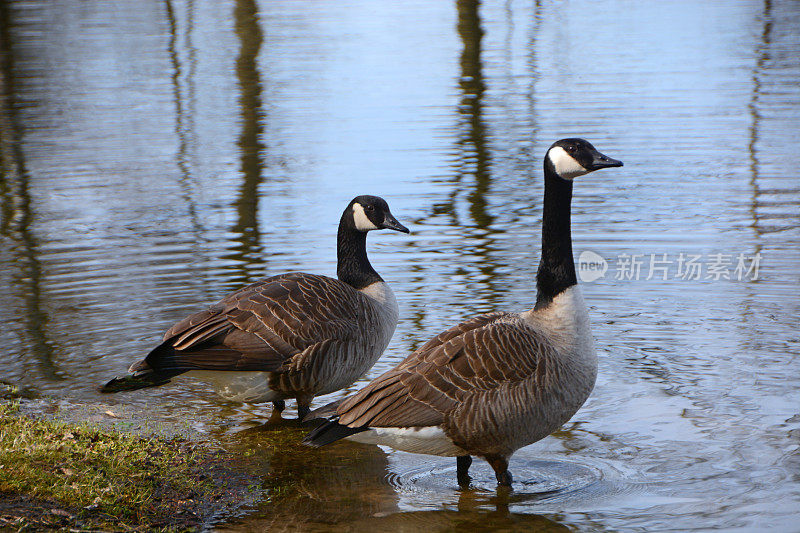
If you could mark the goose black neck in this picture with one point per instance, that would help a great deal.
(353, 266)
(557, 268)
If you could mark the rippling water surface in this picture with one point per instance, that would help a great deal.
(155, 158)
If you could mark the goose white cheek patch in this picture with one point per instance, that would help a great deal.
(565, 165)
(360, 218)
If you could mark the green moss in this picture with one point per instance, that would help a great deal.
(102, 477)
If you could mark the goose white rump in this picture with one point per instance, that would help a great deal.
(429, 440)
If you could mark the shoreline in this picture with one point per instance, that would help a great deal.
(83, 466)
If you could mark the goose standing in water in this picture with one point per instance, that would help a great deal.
(293, 335)
(498, 381)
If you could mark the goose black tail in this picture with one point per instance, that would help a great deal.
(328, 432)
(157, 368)
(139, 378)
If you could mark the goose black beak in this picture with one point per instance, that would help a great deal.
(389, 222)
(603, 161)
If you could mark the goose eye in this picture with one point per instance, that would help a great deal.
(369, 208)
(571, 148)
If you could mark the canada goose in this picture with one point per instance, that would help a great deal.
(498, 381)
(293, 335)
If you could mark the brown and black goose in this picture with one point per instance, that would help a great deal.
(293, 335)
(498, 381)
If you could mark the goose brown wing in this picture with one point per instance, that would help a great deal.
(263, 326)
(478, 355)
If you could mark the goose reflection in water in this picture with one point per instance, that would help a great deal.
(306, 487)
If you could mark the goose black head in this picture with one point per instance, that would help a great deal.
(571, 158)
(372, 212)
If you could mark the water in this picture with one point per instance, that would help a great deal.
(155, 159)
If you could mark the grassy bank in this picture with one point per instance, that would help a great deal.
(55, 474)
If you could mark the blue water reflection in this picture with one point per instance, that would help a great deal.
(152, 160)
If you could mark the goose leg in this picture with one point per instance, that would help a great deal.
(463, 463)
(303, 403)
(302, 411)
(277, 407)
(500, 467)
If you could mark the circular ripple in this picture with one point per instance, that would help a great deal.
(533, 479)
